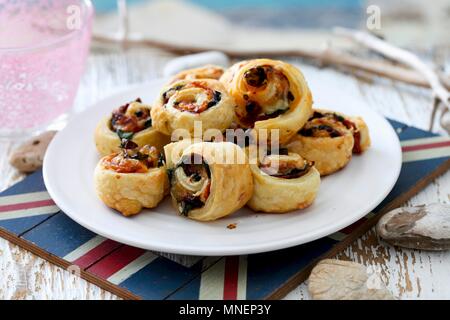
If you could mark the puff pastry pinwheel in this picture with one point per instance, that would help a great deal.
(185, 102)
(211, 180)
(329, 139)
(206, 72)
(173, 152)
(130, 122)
(131, 179)
(360, 134)
(269, 95)
(283, 181)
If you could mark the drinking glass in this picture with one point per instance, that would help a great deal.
(43, 49)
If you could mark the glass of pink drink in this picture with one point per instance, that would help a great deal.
(43, 49)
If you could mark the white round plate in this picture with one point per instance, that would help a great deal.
(343, 198)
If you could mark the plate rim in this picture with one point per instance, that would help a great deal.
(207, 251)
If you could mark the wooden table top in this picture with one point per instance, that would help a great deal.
(409, 274)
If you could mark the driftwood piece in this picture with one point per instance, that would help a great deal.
(325, 56)
(408, 58)
(29, 156)
(400, 55)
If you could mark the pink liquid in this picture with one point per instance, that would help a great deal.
(41, 68)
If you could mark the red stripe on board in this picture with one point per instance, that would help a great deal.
(27, 205)
(230, 286)
(426, 146)
(96, 253)
(115, 261)
(353, 226)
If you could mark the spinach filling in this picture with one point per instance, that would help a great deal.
(190, 183)
(312, 130)
(294, 172)
(309, 132)
(147, 154)
(256, 77)
(166, 95)
(125, 123)
(217, 96)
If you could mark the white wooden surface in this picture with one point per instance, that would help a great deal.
(409, 274)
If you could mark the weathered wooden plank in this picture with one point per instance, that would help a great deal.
(106, 71)
(248, 278)
(48, 281)
(20, 212)
(26, 276)
(409, 274)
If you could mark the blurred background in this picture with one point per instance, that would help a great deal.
(42, 59)
(411, 23)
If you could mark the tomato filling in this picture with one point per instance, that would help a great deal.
(130, 118)
(331, 125)
(285, 165)
(267, 96)
(196, 102)
(133, 160)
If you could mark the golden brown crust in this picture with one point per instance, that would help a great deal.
(128, 193)
(173, 152)
(279, 195)
(167, 117)
(286, 89)
(205, 72)
(331, 154)
(108, 142)
(231, 183)
(364, 136)
(230, 73)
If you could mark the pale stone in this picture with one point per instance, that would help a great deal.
(29, 156)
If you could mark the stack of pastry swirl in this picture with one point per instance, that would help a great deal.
(152, 151)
